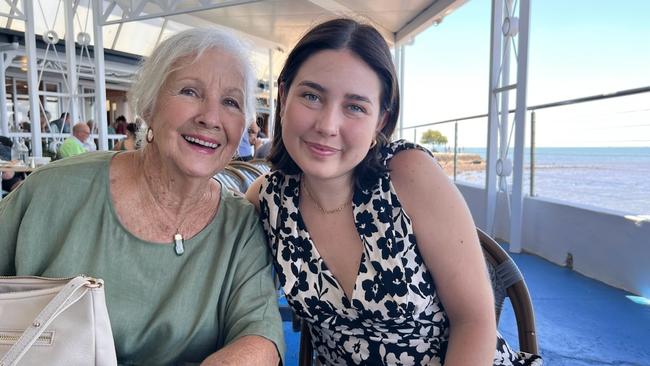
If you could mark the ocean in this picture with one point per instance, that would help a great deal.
(616, 178)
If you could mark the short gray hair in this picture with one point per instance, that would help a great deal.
(155, 69)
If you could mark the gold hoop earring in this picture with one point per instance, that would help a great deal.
(149, 136)
(373, 143)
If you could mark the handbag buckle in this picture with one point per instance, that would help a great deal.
(94, 282)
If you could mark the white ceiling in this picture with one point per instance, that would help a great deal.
(136, 26)
(280, 23)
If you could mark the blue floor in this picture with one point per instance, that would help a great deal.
(580, 321)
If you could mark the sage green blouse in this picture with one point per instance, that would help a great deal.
(164, 308)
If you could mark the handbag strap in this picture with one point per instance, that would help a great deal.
(67, 296)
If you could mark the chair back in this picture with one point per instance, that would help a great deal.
(262, 165)
(249, 171)
(507, 281)
(232, 179)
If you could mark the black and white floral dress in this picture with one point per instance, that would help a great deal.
(394, 316)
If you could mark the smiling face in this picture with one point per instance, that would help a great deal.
(331, 113)
(198, 117)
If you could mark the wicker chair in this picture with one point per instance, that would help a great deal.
(261, 164)
(507, 281)
(232, 179)
(249, 171)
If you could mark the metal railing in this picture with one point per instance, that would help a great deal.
(533, 122)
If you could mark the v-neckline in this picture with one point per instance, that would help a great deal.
(316, 253)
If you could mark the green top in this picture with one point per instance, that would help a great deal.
(164, 308)
(71, 147)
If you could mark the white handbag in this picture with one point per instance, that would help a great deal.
(47, 321)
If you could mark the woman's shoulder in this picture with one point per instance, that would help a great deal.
(69, 179)
(395, 147)
(236, 204)
(275, 180)
(88, 161)
(77, 168)
(413, 170)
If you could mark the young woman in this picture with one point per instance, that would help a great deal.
(373, 245)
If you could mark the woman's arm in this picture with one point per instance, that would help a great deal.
(248, 350)
(253, 192)
(12, 211)
(446, 237)
(251, 324)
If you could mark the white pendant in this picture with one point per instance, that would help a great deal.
(178, 244)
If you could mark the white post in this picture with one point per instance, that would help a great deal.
(4, 115)
(493, 117)
(271, 95)
(71, 59)
(100, 79)
(32, 81)
(504, 117)
(517, 203)
(402, 66)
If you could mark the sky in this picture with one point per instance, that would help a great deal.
(577, 48)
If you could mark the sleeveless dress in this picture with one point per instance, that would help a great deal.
(394, 315)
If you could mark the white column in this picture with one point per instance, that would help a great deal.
(71, 60)
(504, 117)
(32, 81)
(100, 79)
(271, 95)
(517, 203)
(399, 60)
(493, 117)
(4, 116)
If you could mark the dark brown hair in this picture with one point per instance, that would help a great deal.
(366, 43)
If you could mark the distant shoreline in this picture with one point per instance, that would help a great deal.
(466, 162)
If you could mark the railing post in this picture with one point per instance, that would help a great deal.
(532, 153)
(455, 148)
(415, 135)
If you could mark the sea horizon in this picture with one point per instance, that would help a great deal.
(609, 177)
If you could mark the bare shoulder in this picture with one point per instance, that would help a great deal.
(253, 192)
(425, 191)
(414, 172)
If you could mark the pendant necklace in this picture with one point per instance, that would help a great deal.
(324, 211)
(179, 249)
(179, 241)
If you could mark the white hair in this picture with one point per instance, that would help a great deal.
(155, 69)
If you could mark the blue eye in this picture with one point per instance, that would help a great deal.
(189, 92)
(310, 97)
(356, 108)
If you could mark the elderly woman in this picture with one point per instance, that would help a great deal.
(185, 263)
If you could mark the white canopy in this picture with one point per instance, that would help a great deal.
(136, 26)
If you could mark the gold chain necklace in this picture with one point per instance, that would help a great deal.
(324, 211)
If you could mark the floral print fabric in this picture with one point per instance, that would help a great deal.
(394, 316)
